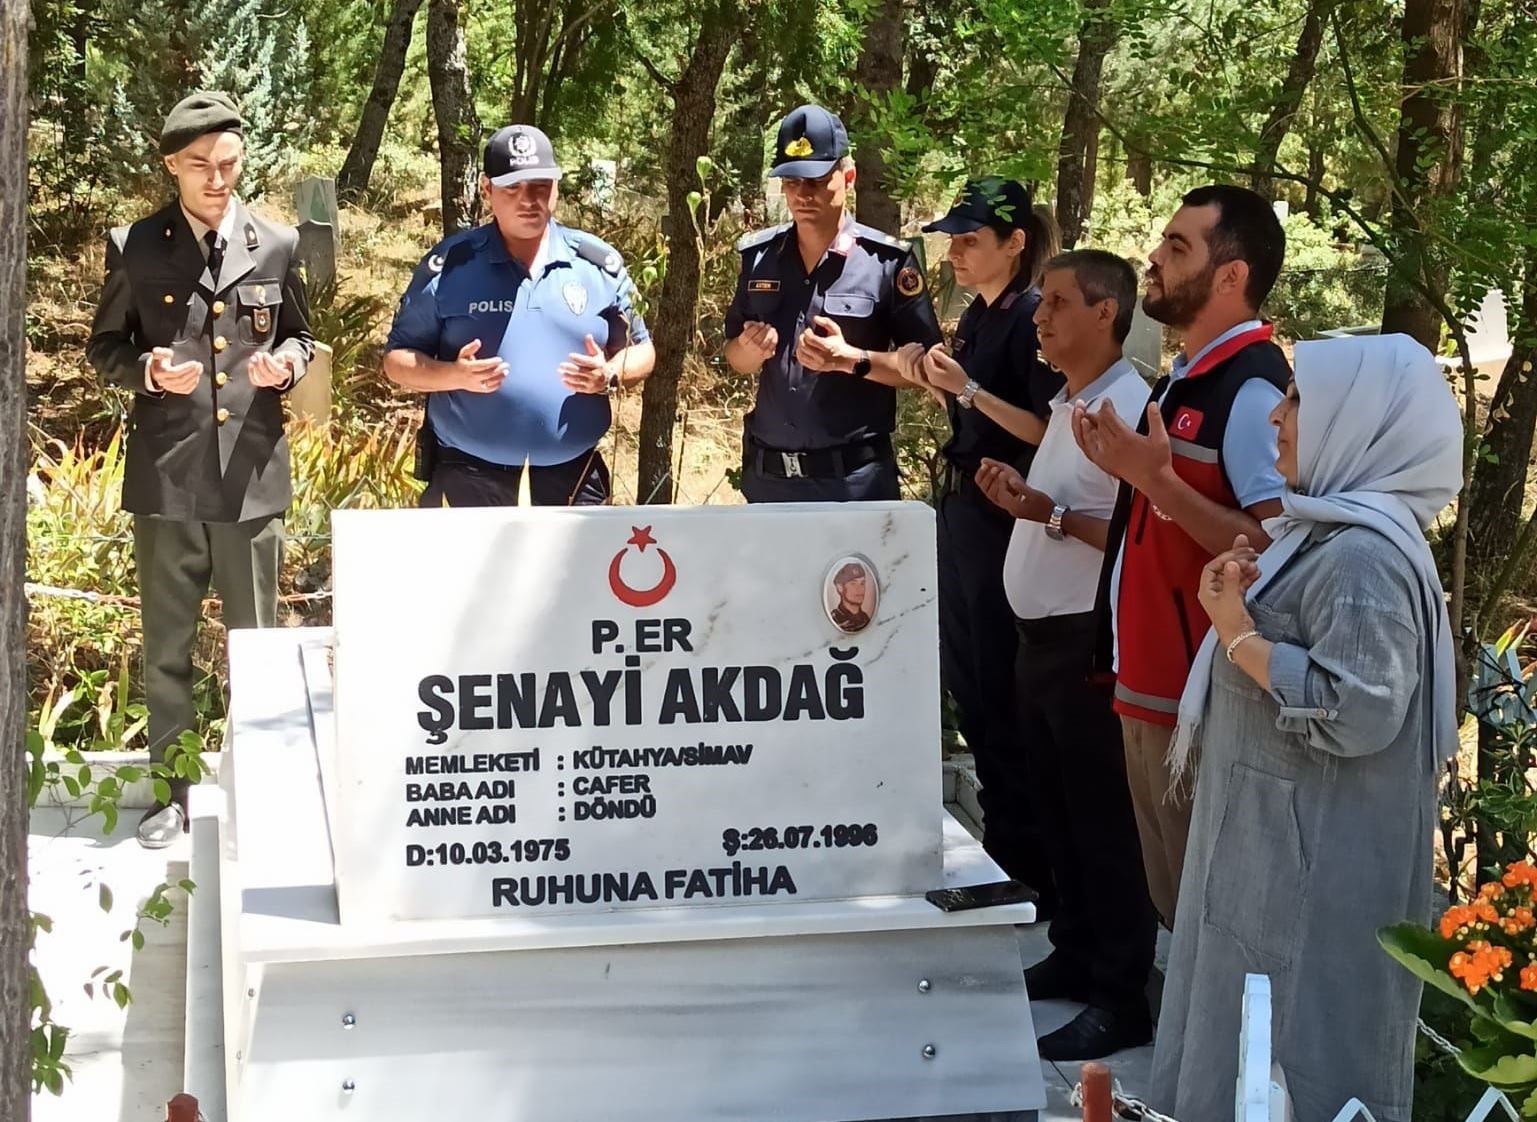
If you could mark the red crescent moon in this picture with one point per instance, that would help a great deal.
(642, 597)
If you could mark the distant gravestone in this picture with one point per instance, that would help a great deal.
(605, 182)
(315, 201)
(317, 253)
(1144, 346)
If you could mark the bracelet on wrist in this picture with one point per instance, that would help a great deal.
(1239, 639)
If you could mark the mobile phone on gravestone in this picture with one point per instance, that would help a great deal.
(989, 895)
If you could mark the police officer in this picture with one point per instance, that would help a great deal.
(998, 395)
(820, 306)
(203, 316)
(518, 331)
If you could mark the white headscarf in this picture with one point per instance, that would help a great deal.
(1379, 444)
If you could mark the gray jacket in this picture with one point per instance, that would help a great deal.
(218, 454)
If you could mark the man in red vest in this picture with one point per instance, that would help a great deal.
(1198, 471)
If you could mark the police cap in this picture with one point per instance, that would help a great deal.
(990, 201)
(811, 142)
(518, 153)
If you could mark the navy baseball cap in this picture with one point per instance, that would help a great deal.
(811, 142)
(517, 153)
(990, 201)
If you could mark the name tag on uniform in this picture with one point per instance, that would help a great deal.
(261, 320)
(763, 286)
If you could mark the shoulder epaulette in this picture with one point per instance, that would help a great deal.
(595, 251)
(877, 237)
(758, 237)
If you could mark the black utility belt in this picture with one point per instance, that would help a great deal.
(819, 463)
(1051, 629)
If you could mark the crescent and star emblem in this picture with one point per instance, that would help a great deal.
(641, 597)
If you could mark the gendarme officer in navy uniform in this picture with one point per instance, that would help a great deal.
(518, 331)
(820, 308)
(203, 316)
(998, 395)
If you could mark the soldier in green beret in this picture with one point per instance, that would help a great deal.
(203, 317)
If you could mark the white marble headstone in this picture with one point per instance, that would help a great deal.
(543, 711)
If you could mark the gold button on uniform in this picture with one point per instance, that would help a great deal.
(220, 342)
(218, 306)
(222, 415)
(220, 378)
(169, 299)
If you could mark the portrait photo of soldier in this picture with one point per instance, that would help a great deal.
(852, 594)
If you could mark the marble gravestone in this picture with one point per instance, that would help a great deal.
(602, 813)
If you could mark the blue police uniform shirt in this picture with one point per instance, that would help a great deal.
(871, 286)
(997, 346)
(470, 287)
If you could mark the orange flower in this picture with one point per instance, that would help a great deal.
(1480, 964)
(1529, 977)
(1491, 891)
(1460, 919)
(1486, 912)
(1520, 919)
(1520, 872)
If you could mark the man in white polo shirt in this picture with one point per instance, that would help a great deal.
(1102, 935)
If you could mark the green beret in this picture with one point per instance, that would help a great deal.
(197, 115)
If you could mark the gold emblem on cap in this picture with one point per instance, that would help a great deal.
(909, 281)
(799, 149)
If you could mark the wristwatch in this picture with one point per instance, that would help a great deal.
(1054, 524)
(862, 365)
(969, 391)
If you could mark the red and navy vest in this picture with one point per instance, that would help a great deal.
(1160, 620)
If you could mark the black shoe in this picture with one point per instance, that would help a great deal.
(1096, 1033)
(1055, 979)
(162, 825)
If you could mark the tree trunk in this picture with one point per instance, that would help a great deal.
(15, 921)
(358, 167)
(1080, 125)
(1312, 199)
(1499, 485)
(1139, 170)
(454, 107)
(677, 312)
(879, 71)
(1289, 98)
(1429, 143)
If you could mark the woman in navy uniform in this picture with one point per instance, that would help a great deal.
(998, 393)
(821, 306)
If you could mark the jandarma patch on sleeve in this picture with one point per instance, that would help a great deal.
(909, 281)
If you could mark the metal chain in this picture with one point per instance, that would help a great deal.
(1438, 1040)
(1123, 1103)
(48, 590)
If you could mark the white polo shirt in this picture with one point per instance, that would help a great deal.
(1047, 578)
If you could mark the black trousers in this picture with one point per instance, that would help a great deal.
(976, 664)
(459, 479)
(1105, 925)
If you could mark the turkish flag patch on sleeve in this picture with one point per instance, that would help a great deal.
(1187, 423)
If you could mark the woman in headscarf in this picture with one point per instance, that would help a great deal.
(1322, 706)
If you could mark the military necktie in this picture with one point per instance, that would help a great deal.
(215, 254)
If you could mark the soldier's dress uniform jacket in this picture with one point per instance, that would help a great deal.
(207, 472)
(218, 454)
(870, 284)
